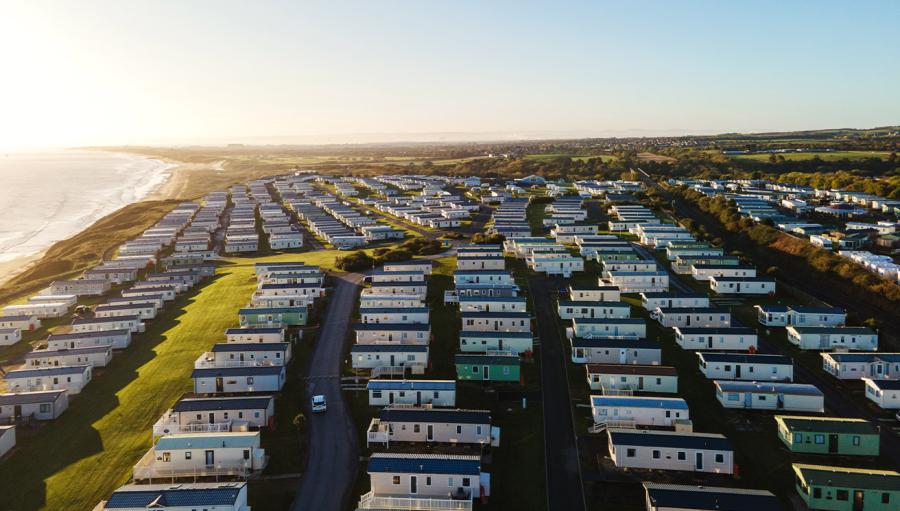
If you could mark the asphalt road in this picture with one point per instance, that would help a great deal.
(333, 449)
(564, 485)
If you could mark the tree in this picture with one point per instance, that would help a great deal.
(355, 261)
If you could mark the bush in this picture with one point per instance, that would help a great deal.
(355, 261)
(480, 238)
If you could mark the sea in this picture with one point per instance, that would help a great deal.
(49, 196)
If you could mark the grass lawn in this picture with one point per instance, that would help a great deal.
(829, 156)
(79, 459)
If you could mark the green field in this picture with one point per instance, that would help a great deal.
(829, 156)
(80, 458)
(550, 156)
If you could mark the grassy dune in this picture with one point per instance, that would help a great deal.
(84, 250)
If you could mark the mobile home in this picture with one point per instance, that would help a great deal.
(668, 450)
(746, 367)
(412, 392)
(837, 436)
(795, 397)
(613, 379)
(662, 412)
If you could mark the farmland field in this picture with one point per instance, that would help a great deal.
(827, 156)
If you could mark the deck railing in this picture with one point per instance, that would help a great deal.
(372, 501)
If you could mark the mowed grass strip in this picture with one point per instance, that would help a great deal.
(79, 459)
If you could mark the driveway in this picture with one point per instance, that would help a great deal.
(333, 449)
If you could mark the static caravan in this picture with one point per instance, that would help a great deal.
(615, 351)
(585, 309)
(117, 339)
(611, 328)
(884, 393)
(143, 310)
(675, 497)
(638, 281)
(412, 392)
(740, 366)
(273, 316)
(27, 322)
(481, 342)
(69, 378)
(707, 317)
(257, 334)
(390, 301)
(419, 265)
(40, 310)
(836, 436)
(430, 425)
(708, 271)
(781, 315)
(669, 450)
(847, 489)
(71, 300)
(480, 262)
(95, 324)
(392, 333)
(613, 379)
(853, 366)
(399, 288)
(236, 454)
(424, 481)
(742, 285)
(167, 293)
(198, 414)
(94, 356)
(563, 265)
(10, 336)
(496, 321)
(42, 405)
(661, 412)
(157, 300)
(852, 338)
(598, 293)
(794, 397)
(394, 315)
(238, 379)
(377, 356)
(736, 338)
(482, 277)
(633, 265)
(396, 276)
(234, 354)
(477, 367)
(80, 287)
(672, 299)
(492, 304)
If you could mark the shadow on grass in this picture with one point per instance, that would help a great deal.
(50, 448)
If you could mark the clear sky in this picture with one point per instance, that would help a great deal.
(188, 71)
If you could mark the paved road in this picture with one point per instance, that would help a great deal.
(564, 485)
(333, 449)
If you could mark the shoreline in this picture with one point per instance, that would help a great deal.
(170, 187)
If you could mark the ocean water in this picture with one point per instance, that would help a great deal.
(49, 196)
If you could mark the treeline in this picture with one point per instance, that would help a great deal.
(561, 167)
(702, 164)
(795, 260)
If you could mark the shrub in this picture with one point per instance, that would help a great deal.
(355, 261)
